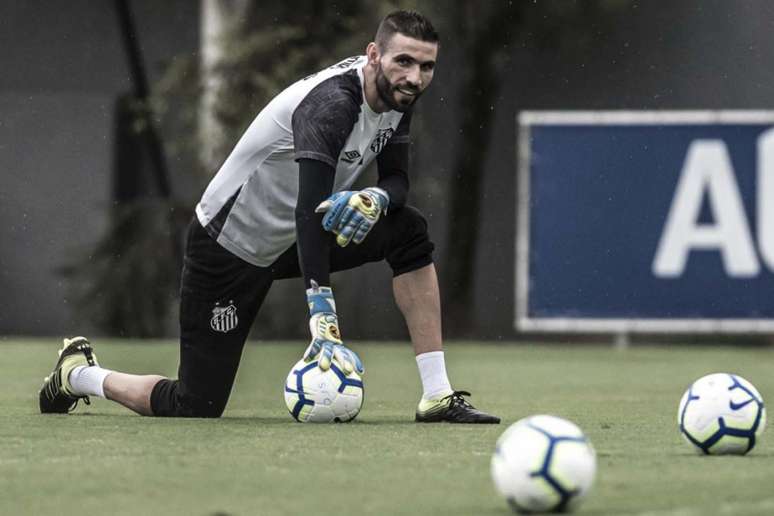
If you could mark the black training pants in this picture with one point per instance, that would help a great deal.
(220, 296)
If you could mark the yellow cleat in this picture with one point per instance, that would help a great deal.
(56, 396)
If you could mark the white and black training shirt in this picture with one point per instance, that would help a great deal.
(249, 205)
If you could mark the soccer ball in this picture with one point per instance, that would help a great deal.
(721, 414)
(543, 464)
(316, 396)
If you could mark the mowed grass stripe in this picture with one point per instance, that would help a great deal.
(257, 460)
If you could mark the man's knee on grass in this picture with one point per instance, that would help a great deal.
(170, 399)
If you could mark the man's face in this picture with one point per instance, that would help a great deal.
(404, 70)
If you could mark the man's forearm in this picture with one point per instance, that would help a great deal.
(315, 184)
(393, 173)
(396, 186)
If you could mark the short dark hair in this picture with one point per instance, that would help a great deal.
(408, 23)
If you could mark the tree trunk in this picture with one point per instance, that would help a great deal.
(222, 21)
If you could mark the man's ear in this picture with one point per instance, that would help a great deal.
(372, 52)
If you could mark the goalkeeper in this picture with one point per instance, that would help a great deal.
(281, 206)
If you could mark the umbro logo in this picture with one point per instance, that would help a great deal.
(350, 156)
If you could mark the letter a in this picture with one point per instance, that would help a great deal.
(707, 169)
(766, 197)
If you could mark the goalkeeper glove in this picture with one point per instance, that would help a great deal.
(326, 342)
(351, 215)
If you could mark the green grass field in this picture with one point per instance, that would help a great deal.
(256, 460)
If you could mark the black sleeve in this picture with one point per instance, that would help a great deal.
(315, 184)
(323, 121)
(393, 164)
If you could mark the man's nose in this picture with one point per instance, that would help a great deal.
(414, 77)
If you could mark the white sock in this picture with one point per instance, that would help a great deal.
(88, 380)
(432, 371)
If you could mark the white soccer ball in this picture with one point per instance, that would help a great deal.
(543, 464)
(721, 414)
(316, 396)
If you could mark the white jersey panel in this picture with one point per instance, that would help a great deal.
(249, 206)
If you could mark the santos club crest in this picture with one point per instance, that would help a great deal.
(381, 139)
(224, 318)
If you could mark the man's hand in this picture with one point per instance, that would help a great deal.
(351, 215)
(326, 345)
(326, 342)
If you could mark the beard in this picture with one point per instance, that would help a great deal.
(387, 91)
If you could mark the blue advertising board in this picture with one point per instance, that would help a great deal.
(646, 222)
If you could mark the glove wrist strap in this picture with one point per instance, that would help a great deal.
(320, 299)
(382, 195)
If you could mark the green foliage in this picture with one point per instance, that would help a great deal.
(127, 284)
(174, 103)
(274, 46)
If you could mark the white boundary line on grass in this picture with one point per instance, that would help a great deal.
(732, 508)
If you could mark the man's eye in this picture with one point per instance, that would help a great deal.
(404, 62)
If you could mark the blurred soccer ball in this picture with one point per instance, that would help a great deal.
(543, 464)
(316, 396)
(721, 414)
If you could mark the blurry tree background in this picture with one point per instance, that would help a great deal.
(212, 65)
(251, 50)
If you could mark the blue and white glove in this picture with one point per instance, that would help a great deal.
(351, 215)
(326, 342)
